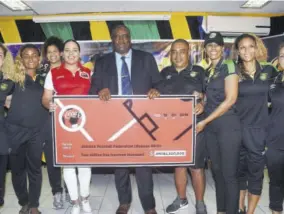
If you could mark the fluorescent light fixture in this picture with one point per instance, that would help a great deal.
(255, 3)
(15, 5)
(48, 19)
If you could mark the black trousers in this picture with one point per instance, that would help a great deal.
(223, 140)
(145, 186)
(3, 168)
(54, 173)
(275, 165)
(25, 160)
(252, 159)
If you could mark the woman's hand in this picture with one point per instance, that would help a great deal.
(52, 107)
(200, 126)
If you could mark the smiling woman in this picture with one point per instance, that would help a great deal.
(222, 124)
(26, 145)
(255, 78)
(71, 78)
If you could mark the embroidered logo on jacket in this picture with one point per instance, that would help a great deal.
(3, 86)
(263, 76)
(84, 75)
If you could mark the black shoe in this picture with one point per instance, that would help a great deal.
(242, 211)
(1, 197)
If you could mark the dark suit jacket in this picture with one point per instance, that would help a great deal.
(144, 74)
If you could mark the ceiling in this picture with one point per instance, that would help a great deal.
(45, 7)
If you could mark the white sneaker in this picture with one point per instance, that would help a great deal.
(76, 209)
(86, 206)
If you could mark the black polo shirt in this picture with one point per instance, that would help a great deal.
(26, 108)
(6, 88)
(275, 137)
(214, 83)
(184, 82)
(252, 102)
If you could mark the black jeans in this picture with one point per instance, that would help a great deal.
(145, 186)
(3, 168)
(25, 162)
(223, 140)
(252, 159)
(275, 165)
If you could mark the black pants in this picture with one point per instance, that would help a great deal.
(3, 168)
(54, 173)
(25, 161)
(145, 186)
(252, 160)
(275, 165)
(223, 140)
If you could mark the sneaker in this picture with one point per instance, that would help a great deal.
(58, 201)
(200, 208)
(24, 210)
(76, 209)
(86, 206)
(177, 205)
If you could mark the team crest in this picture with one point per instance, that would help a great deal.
(84, 75)
(3, 86)
(193, 74)
(263, 76)
(41, 82)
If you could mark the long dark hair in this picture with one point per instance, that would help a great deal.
(242, 71)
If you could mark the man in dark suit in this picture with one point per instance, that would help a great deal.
(127, 71)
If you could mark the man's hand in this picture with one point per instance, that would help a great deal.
(153, 93)
(199, 108)
(104, 94)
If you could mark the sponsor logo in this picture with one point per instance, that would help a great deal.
(168, 77)
(173, 153)
(212, 35)
(84, 75)
(72, 118)
(59, 77)
(193, 74)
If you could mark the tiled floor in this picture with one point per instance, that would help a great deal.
(104, 197)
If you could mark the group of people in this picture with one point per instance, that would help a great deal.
(235, 129)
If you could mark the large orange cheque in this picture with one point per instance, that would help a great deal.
(124, 131)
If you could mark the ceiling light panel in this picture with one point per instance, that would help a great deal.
(15, 5)
(255, 3)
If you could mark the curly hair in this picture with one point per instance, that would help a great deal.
(261, 51)
(20, 71)
(8, 67)
(53, 40)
